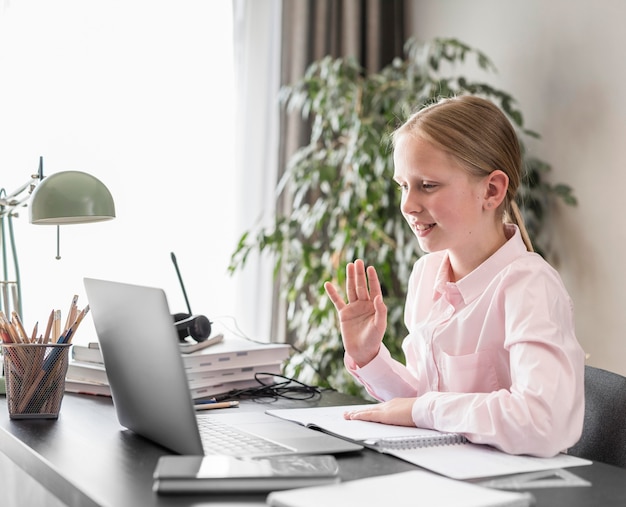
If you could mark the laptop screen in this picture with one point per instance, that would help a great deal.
(142, 358)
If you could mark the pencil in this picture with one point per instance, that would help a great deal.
(219, 404)
(71, 314)
(56, 325)
(67, 337)
(19, 328)
(9, 328)
(46, 337)
(6, 337)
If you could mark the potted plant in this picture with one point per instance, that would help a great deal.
(345, 204)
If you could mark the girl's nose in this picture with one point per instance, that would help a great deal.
(411, 202)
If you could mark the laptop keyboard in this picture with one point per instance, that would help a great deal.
(220, 438)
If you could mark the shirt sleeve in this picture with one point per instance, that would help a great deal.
(383, 377)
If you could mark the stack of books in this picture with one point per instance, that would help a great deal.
(216, 368)
(85, 371)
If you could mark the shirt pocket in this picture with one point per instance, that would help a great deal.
(468, 373)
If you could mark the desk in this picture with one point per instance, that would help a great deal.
(85, 458)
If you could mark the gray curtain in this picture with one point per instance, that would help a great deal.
(372, 31)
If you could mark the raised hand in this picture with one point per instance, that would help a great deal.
(363, 318)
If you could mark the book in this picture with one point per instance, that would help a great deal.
(199, 391)
(89, 353)
(212, 391)
(216, 377)
(236, 352)
(229, 474)
(226, 365)
(87, 372)
(405, 489)
(82, 387)
(447, 454)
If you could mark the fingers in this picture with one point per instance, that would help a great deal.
(369, 414)
(380, 312)
(375, 289)
(334, 296)
(361, 285)
(397, 411)
(351, 282)
(360, 278)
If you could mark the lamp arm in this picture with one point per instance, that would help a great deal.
(9, 202)
(8, 206)
(16, 266)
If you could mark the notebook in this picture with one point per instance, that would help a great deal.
(381, 437)
(448, 454)
(150, 390)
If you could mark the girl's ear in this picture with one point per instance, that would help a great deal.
(497, 185)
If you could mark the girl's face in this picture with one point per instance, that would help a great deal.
(443, 204)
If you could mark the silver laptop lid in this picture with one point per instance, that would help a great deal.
(145, 370)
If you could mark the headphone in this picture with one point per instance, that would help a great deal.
(197, 327)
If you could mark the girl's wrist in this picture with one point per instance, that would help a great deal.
(364, 359)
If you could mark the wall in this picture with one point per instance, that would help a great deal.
(564, 62)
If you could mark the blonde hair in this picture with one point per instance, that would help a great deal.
(477, 133)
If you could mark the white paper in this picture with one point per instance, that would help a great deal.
(406, 489)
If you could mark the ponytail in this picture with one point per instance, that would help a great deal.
(514, 215)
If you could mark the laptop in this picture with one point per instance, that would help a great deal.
(139, 345)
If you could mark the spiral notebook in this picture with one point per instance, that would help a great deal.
(381, 437)
(448, 454)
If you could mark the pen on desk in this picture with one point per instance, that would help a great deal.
(206, 400)
(209, 405)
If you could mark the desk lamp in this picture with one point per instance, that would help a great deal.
(69, 197)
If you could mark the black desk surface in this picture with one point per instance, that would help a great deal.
(86, 458)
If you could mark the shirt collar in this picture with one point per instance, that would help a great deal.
(475, 282)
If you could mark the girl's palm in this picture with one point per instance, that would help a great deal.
(363, 318)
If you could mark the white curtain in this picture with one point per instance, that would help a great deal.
(257, 43)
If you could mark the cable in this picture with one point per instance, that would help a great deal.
(288, 388)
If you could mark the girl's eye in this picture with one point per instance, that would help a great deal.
(424, 186)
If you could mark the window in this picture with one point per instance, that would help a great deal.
(140, 94)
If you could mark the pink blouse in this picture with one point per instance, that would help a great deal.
(493, 356)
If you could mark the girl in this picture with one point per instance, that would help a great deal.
(491, 351)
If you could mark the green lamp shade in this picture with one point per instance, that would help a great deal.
(70, 197)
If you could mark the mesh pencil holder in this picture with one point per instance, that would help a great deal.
(35, 379)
